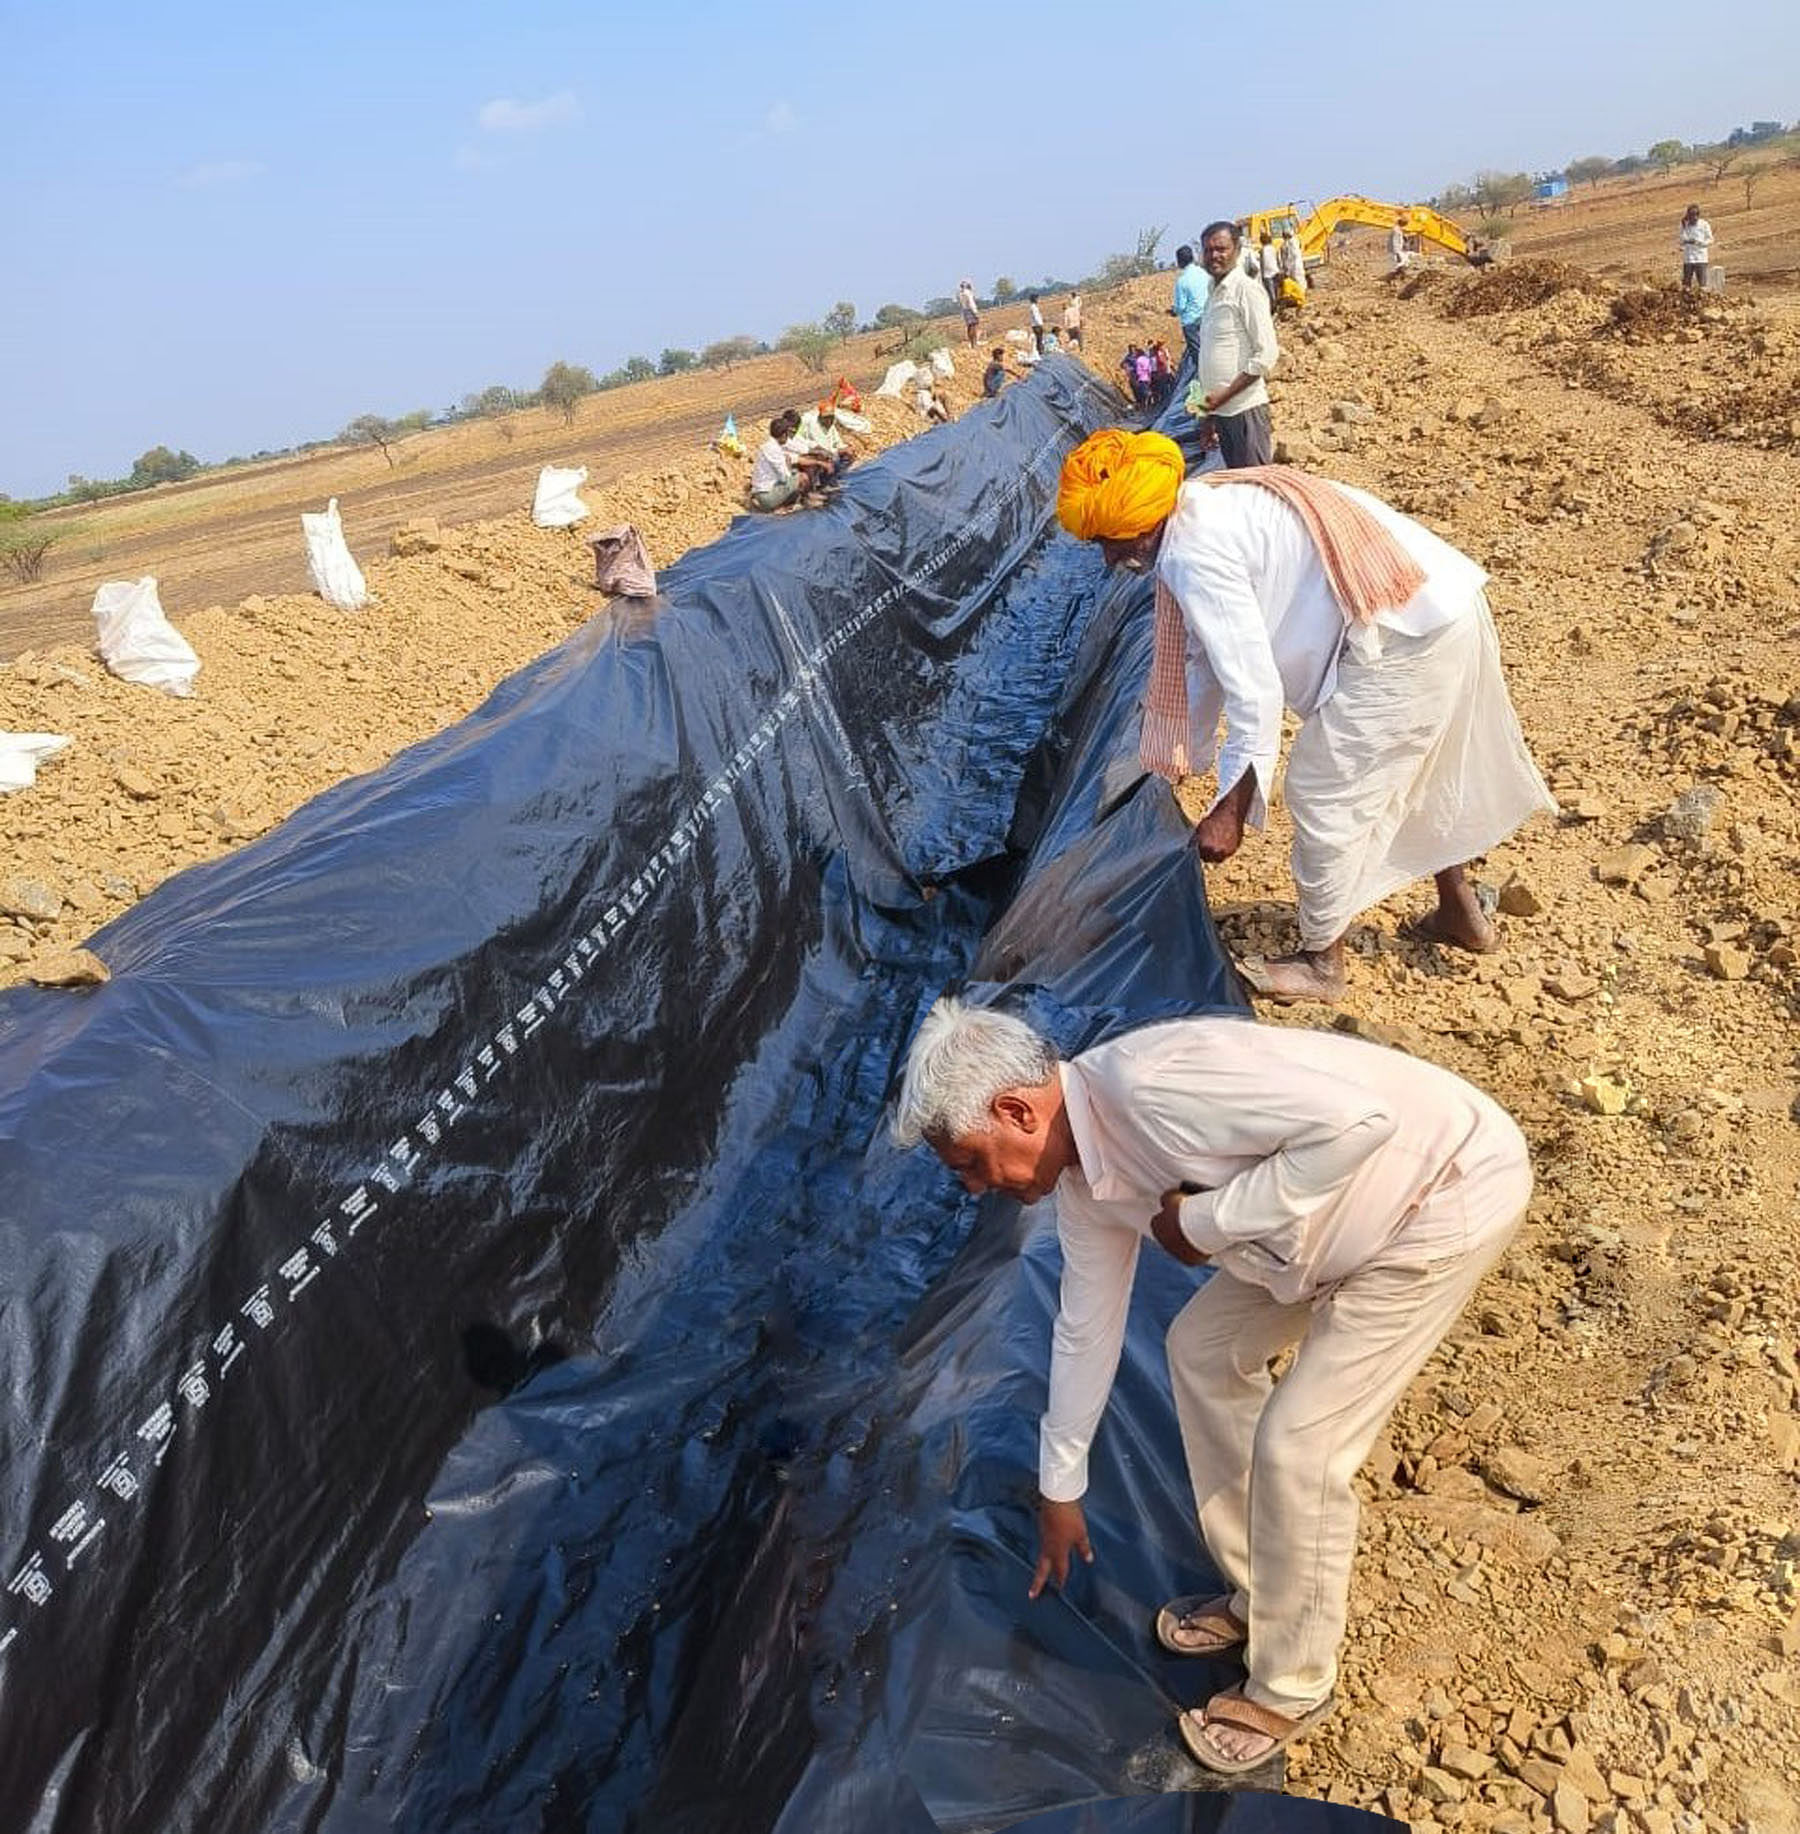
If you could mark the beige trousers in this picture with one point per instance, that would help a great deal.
(1271, 1462)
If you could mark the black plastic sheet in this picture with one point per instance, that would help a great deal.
(471, 1358)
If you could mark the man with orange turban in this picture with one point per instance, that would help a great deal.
(1279, 590)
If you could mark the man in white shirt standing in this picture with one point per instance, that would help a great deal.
(1348, 1199)
(1237, 351)
(1396, 246)
(1696, 240)
(1278, 590)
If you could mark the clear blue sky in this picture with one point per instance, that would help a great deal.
(232, 227)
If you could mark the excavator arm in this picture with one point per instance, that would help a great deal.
(1413, 219)
(1315, 223)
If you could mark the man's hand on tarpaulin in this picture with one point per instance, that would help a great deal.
(1062, 1531)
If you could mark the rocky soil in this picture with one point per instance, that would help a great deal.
(1575, 1606)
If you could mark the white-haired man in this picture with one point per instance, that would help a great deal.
(1348, 1199)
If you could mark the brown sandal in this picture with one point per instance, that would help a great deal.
(1200, 1626)
(1232, 1709)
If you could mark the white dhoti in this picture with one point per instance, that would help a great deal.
(1413, 764)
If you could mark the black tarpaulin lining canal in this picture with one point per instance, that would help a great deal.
(472, 1359)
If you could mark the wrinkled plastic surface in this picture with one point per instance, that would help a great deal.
(471, 1357)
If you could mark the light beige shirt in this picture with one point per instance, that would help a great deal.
(1237, 337)
(1315, 1151)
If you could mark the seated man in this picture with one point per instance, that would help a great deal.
(994, 377)
(819, 432)
(1349, 1200)
(781, 476)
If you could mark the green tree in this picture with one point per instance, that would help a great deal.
(1004, 289)
(1666, 153)
(940, 305)
(811, 343)
(727, 351)
(840, 321)
(1588, 170)
(891, 317)
(373, 430)
(1502, 191)
(498, 399)
(161, 466)
(672, 362)
(25, 544)
(565, 386)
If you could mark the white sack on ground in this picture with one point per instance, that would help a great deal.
(335, 575)
(943, 362)
(556, 504)
(853, 422)
(898, 376)
(137, 642)
(22, 752)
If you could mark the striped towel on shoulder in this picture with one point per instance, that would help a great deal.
(1367, 569)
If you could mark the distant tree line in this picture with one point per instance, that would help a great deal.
(1498, 195)
(565, 385)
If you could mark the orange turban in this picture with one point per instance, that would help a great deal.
(1118, 485)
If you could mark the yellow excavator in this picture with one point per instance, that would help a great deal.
(1315, 223)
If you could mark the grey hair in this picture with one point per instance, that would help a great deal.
(961, 1059)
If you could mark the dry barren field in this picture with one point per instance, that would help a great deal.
(1576, 1608)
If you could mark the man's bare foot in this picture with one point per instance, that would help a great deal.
(1458, 928)
(1301, 976)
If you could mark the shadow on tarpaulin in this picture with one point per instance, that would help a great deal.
(471, 1358)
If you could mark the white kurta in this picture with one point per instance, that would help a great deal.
(1410, 760)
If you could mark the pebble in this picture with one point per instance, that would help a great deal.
(32, 898)
(1517, 1473)
(1691, 814)
(1727, 962)
(1519, 898)
(1602, 1095)
(1569, 1809)
(1624, 865)
(134, 782)
(69, 968)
